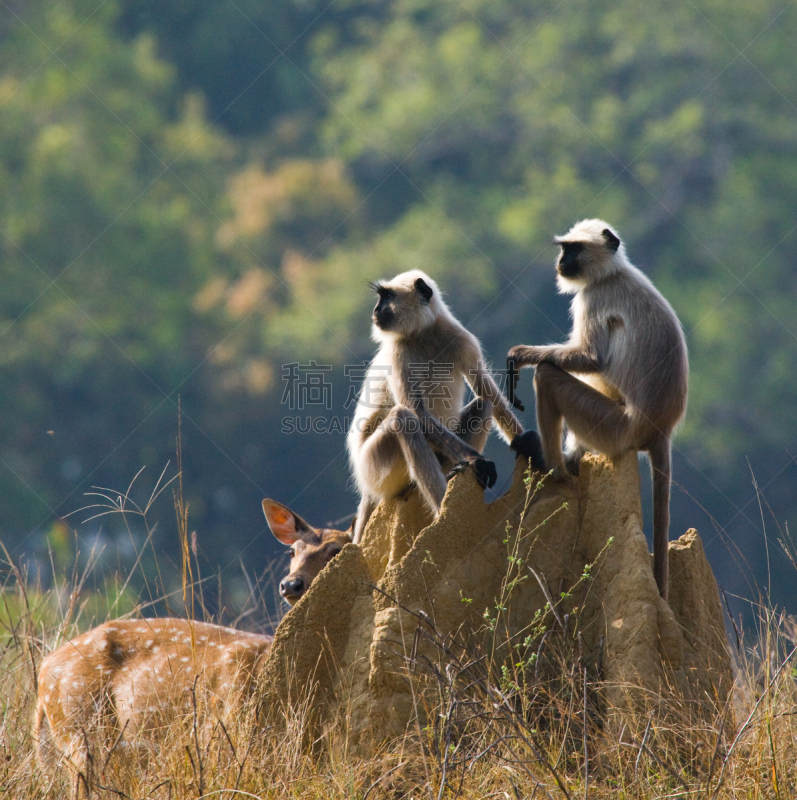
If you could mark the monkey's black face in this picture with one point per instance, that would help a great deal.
(569, 264)
(385, 309)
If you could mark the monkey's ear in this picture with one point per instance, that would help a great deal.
(424, 289)
(612, 242)
(286, 526)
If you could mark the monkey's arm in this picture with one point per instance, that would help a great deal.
(442, 439)
(525, 444)
(451, 446)
(589, 355)
(586, 351)
(571, 359)
(483, 385)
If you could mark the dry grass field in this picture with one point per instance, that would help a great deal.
(536, 726)
(491, 738)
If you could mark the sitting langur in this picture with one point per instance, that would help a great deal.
(410, 423)
(620, 382)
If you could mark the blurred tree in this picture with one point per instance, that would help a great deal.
(107, 215)
(148, 251)
(247, 57)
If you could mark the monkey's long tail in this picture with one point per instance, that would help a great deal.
(661, 469)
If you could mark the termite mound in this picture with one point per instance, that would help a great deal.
(358, 637)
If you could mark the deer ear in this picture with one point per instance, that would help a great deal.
(286, 526)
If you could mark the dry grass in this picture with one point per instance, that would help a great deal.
(537, 729)
(488, 738)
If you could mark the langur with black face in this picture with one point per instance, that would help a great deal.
(410, 426)
(620, 382)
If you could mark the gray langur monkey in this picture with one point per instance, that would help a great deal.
(620, 382)
(410, 424)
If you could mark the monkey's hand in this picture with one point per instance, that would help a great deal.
(512, 376)
(528, 445)
(525, 355)
(483, 469)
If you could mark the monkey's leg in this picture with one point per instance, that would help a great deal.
(573, 452)
(367, 506)
(379, 465)
(594, 419)
(380, 472)
(405, 426)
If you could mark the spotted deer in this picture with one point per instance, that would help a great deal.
(127, 682)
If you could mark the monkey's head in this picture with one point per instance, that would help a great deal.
(591, 250)
(405, 305)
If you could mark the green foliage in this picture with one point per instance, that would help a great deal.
(106, 233)
(149, 252)
(249, 49)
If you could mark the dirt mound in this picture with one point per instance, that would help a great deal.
(552, 555)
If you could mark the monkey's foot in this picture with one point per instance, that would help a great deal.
(528, 445)
(405, 492)
(483, 469)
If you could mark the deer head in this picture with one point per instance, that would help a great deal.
(311, 548)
